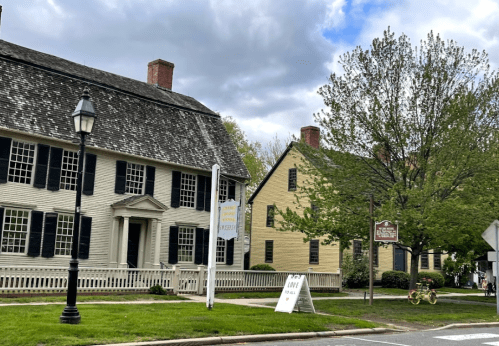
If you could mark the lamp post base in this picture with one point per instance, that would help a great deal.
(70, 315)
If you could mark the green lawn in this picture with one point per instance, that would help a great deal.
(101, 324)
(81, 298)
(254, 295)
(401, 311)
(480, 299)
(459, 290)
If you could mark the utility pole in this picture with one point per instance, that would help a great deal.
(371, 251)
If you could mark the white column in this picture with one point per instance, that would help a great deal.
(157, 243)
(212, 246)
(124, 244)
(113, 243)
(142, 242)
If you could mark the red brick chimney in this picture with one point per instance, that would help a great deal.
(310, 135)
(160, 73)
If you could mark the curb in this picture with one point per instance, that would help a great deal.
(256, 338)
(469, 325)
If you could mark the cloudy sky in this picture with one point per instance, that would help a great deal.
(260, 62)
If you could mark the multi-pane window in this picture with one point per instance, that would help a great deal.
(269, 251)
(314, 252)
(21, 162)
(187, 190)
(424, 260)
(270, 216)
(15, 231)
(223, 191)
(221, 250)
(357, 249)
(437, 261)
(134, 178)
(69, 170)
(64, 235)
(292, 179)
(186, 244)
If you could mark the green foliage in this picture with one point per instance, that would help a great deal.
(475, 286)
(417, 130)
(457, 270)
(437, 279)
(262, 267)
(355, 271)
(395, 279)
(158, 289)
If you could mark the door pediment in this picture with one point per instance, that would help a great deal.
(143, 206)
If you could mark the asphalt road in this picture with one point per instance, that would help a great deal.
(446, 337)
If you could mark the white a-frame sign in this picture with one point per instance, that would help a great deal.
(295, 295)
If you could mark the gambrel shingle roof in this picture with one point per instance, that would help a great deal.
(39, 92)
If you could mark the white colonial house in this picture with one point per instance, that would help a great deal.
(146, 186)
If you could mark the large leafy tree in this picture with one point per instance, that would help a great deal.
(416, 128)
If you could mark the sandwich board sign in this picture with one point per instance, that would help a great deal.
(295, 296)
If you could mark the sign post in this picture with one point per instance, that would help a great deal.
(212, 245)
(491, 236)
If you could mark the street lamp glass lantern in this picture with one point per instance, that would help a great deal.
(84, 114)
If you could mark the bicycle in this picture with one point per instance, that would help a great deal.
(423, 292)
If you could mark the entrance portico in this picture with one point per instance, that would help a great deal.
(135, 239)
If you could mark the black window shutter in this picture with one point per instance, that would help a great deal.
(200, 193)
(207, 194)
(232, 190)
(119, 185)
(89, 178)
(176, 180)
(42, 161)
(4, 158)
(49, 235)
(173, 247)
(199, 246)
(150, 177)
(230, 252)
(35, 233)
(1, 224)
(85, 232)
(206, 243)
(55, 169)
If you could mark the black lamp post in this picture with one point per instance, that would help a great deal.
(83, 117)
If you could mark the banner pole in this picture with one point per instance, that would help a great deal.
(210, 285)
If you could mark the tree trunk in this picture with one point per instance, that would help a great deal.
(414, 269)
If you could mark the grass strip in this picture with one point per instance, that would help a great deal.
(256, 295)
(400, 310)
(89, 298)
(101, 324)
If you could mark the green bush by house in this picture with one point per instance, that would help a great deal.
(437, 279)
(395, 279)
(262, 267)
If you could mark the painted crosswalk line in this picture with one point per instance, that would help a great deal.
(469, 337)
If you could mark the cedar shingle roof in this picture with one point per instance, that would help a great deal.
(39, 92)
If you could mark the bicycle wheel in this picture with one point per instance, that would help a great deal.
(414, 297)
(432, 298)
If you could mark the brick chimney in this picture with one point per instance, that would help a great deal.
(160, 73)
(310, 135)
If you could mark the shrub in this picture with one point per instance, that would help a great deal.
(395, 279)
(437, 279)
(262, 267)
(356, 271)
(157, 290)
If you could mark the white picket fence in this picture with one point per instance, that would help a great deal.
(21, 279)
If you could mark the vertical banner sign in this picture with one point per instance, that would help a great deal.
(229, 220)
(386, 231)
(212, 245)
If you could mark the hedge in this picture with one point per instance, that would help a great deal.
(437, 279)
(395, 279)
(262, 267)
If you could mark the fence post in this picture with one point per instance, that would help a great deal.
(200, 280)
(310, 270)
(176, 279)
